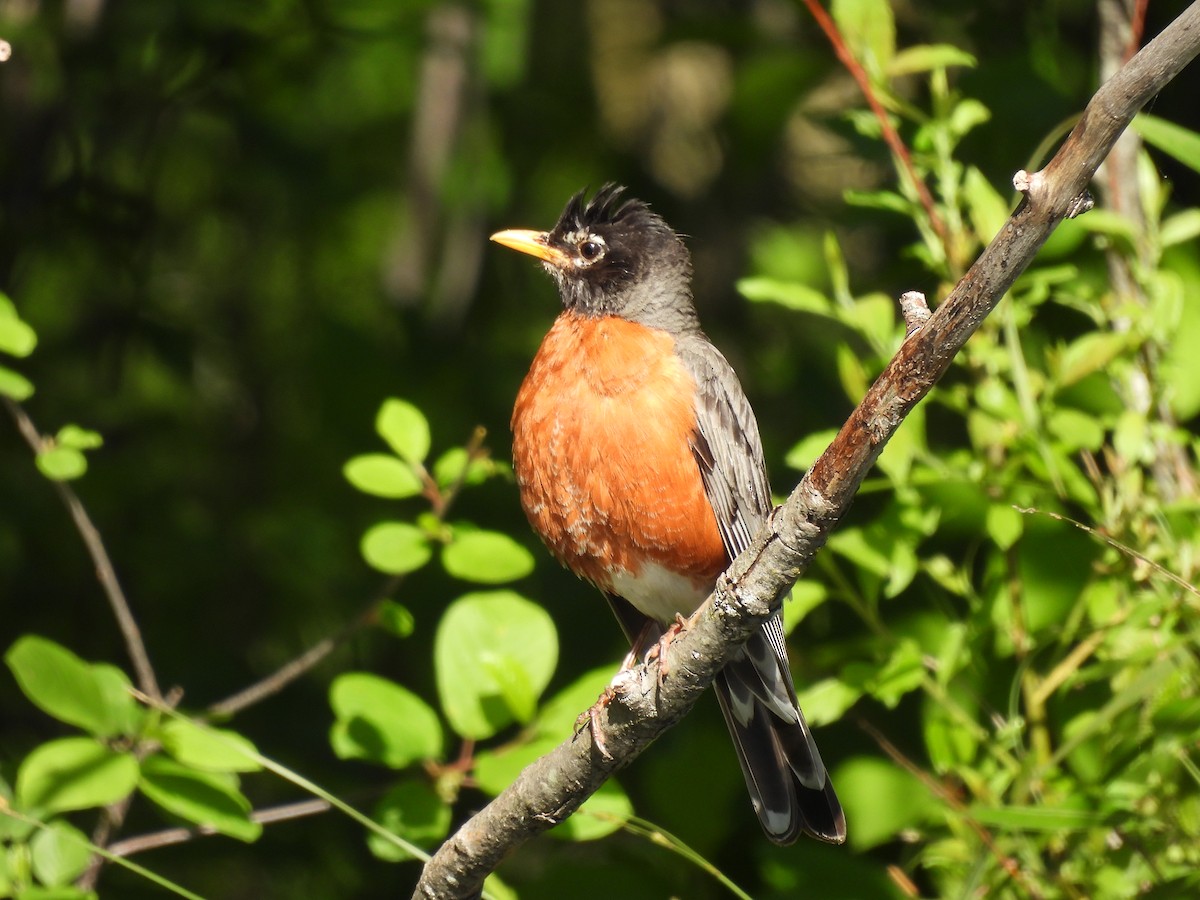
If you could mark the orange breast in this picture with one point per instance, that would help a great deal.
(601, 450)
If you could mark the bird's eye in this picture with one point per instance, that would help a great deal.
(590, 250)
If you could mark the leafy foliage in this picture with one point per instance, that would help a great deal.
(229, 228)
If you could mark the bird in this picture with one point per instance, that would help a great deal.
(639, 464)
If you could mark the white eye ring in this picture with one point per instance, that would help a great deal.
(590, 249)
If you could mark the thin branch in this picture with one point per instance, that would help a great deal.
(890, 135)
(643, 705)
(948, 797)
(105, 573)
(169, 836)
(310, 658)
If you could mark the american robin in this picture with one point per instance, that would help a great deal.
(640, 466)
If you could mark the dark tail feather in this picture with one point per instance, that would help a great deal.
(788, 783)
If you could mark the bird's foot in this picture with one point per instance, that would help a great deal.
(590, 719)
(659, 650)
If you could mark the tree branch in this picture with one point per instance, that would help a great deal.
(553, 787)
(106, 574)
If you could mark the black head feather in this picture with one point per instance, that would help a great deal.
(620, 258)
(609, 206)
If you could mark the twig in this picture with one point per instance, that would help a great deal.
(890, 135)
(293, 669)
(169, 836)
(1122, 548)
(105, 572)
(646, 705)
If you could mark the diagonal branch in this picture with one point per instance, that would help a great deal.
(106, 574)
(553, 787)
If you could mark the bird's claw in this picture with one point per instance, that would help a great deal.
(590, 719)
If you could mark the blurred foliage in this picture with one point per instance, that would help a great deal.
(229, 231)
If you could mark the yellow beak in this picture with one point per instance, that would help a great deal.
(535, 243)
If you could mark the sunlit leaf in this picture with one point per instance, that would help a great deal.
(927, 57)
(381, 721)
(405, 428)
(61, 463)
(789, 294)
(14, 385)
(1175, 140)
(95, 698)
(73, 773)
(487, 557)
(482, 640)
(59, 853)
(205, 747)
(79, 438)
(382, 475)
(880, 798)
(396, 547)
(208, 799)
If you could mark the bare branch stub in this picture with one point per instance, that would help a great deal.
(756, 582)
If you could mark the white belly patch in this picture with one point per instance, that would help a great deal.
(659, 593)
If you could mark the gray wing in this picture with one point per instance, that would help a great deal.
(788, 783)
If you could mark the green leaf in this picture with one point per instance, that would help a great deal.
(988, 210)
(1036, 818)
(1088, 354)
(869, 30)
(810, 448)
(405, 428)
(78, 438)
(947, 742)
(488, 557)
(827, 700)
(851, 373)
(789, 294)
(382, 476)
(558, 715)
(927, 57)
(903, 672)
(381, 721)
(1172, 139)
(209, 799)
(61, 463)
(496, 769)
(482, 641)
(966, 115)
(1075, 430)
(396, 547)
(59, 853)
(906, 445)
(1004, 525)
(73, 773)
(804, 597)
(881, 799)
(211, 749)
(95, 698)
(412, 810)
(448, 468)
(14, 385)
(62, 892)
(601, 814)
(16, 338)
(874, 316)
(1180, 228)
(396, 618)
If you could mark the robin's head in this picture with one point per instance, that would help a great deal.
(612, 256)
